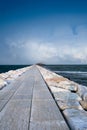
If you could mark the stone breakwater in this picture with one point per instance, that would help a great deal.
(70, 97)
(8, 77)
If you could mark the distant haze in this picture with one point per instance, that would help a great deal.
(45, 31)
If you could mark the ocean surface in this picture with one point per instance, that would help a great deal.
(5, 68)
(77, 73)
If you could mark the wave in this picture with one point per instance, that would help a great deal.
(71, 72)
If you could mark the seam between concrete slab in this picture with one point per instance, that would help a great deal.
(11, 97)
(53, 97)
(31, 105)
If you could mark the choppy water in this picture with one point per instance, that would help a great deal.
(5, 68)
(77, 73)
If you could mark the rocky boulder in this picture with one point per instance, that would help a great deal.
(2, 83)
(69, 85)
(77, 119)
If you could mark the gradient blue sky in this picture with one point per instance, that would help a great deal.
(47, 31)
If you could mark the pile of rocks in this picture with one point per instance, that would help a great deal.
(70, 97)
(8, 77)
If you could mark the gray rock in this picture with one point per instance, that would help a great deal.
(77, 119)
(85, 96)
(69, 85)
(3, 75)
(70, 104)
(81, 90)
(2, 83)
(84, 104)
(63, 94)
(65, 98)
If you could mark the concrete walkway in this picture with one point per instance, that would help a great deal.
(27, 104)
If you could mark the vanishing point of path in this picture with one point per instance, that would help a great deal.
(27, 104)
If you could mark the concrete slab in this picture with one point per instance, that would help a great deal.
(48, 125)
(42, 94)
(15, 116)
(31, 106)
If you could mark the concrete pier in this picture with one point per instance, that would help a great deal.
(70, 97)
(28, 104)
(35, 98)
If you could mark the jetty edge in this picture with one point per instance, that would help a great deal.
(27, 104)
(70, 97)
(8, 77)
(39, 99)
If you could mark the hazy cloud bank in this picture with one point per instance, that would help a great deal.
(66, 45)
(33, 52)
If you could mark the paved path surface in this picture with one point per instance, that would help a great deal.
(27, 104)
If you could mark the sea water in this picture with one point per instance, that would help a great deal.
(77, 73)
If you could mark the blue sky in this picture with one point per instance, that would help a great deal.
(47, 31)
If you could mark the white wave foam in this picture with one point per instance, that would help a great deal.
(71, 72)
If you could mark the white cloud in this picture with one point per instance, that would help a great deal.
(33, 52)
(65, 47)
(40, 51)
